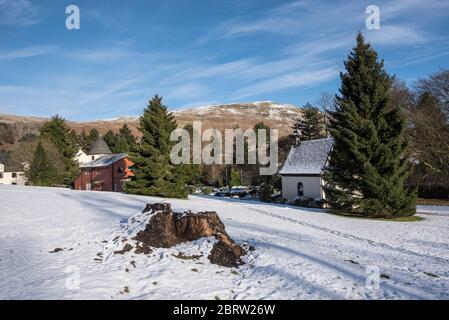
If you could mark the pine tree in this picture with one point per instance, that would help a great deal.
(41, 171)
(92, 137)
(120, 142)
(127, 137)
(154, 174)
(369, 161)
(58, 132)
(111, 140)
(82, 140)
(311, 126)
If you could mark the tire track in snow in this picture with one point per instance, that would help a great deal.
(347, 235)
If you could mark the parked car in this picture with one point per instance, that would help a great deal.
(223, 192)
(239, 192)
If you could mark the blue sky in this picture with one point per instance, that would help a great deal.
(200, 52)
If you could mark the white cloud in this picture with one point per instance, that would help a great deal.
(298, 79)
(27, 52)
(397, 35)
(18, 13)
(185, 91)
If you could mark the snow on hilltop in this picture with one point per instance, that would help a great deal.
(270, 109)
(221, 116)
(50, 238)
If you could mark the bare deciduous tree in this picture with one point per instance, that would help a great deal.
(438, 86)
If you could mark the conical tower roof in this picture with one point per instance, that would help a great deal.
(100, 147)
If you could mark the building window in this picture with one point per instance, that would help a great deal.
(300, 189)
(1, 175)
(14, 175)
(120, 170)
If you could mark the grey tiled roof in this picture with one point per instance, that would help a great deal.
(104, 161)
(100, 147)
(308, 158)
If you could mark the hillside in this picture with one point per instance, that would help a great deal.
(244, 115)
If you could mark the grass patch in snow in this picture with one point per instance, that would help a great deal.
(413, 218)
(433, 202)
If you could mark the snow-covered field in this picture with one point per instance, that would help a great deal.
(300, 253)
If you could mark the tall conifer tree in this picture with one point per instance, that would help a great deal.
(154, 174)
(58, 131)
(41, 171)
(369, 160)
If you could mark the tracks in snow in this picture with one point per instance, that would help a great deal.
(348, 236)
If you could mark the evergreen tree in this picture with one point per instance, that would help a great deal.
(154, 174)
(369, 160)
(127, 137)
(192, 172)
(266, 191)
(111, 139)
(311, 126)
(82, 140)
(123, 141)
(41, 171)
(92, 137)
(59, 133)
(235, 178)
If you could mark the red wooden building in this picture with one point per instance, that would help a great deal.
(107, 173)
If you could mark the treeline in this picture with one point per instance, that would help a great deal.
(47, 158)
(427, 106)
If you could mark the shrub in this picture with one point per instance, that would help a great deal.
(207, 190)
(281, 200)
(304, 202)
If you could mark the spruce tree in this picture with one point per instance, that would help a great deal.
(41, 171)
(369, 161)
(311, 126)
(154, 174)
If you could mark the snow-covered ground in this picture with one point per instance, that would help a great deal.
(300, 253)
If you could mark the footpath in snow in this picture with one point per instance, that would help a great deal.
(300, 253)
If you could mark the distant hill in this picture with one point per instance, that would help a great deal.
(244, 115)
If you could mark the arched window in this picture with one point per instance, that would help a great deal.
(300, 189)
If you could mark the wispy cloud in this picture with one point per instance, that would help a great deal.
(299, 79)
(105, 54)
(28, 52)
(20, 13)
(398, 35)
(261, 52)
